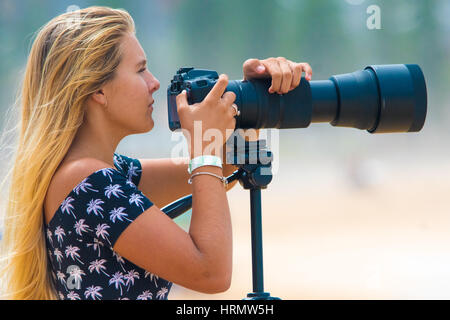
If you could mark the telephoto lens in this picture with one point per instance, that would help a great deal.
(379, 99)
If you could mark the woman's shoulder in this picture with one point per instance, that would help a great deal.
(83, 167)
(66, 178)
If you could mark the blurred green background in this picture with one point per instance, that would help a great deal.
(348, 214)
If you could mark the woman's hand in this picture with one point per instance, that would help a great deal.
(215, 113)
(285, 74)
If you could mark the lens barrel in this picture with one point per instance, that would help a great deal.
(379, 99)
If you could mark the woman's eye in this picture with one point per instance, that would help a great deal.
(142, 70)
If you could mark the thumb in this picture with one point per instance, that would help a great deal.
(253, 68)
(260, 68)
(182, 100)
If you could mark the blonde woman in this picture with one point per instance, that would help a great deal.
(82, 221)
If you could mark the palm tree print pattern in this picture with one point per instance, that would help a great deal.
(82, 233)
(84, 186)
(95, 206)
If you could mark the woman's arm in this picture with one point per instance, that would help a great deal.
(201, 259)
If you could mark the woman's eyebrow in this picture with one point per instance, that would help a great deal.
(142, 63)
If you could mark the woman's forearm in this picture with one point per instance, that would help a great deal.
(210, 227)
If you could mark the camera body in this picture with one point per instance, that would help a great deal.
(196, 82)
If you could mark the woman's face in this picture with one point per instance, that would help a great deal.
(129, 94)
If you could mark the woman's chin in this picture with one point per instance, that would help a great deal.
(147, 127)
(150, 126)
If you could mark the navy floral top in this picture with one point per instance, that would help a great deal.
(81, 235)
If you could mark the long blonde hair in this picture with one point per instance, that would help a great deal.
(72, 56)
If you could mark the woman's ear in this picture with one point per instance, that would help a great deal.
(100, 97)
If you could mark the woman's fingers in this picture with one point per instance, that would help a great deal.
(286, 77)
(274, 69)
(297, 74)
(307, 69)
(228, 98)
(217, 91)
(298, 69)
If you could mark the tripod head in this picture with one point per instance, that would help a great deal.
(253, 160)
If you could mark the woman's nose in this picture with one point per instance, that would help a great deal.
(153, 84)
(157, 85)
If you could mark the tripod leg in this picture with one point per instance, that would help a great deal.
(257, 249)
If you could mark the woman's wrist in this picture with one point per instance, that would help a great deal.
(211, 169)
(212, 172)
(204, 160)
